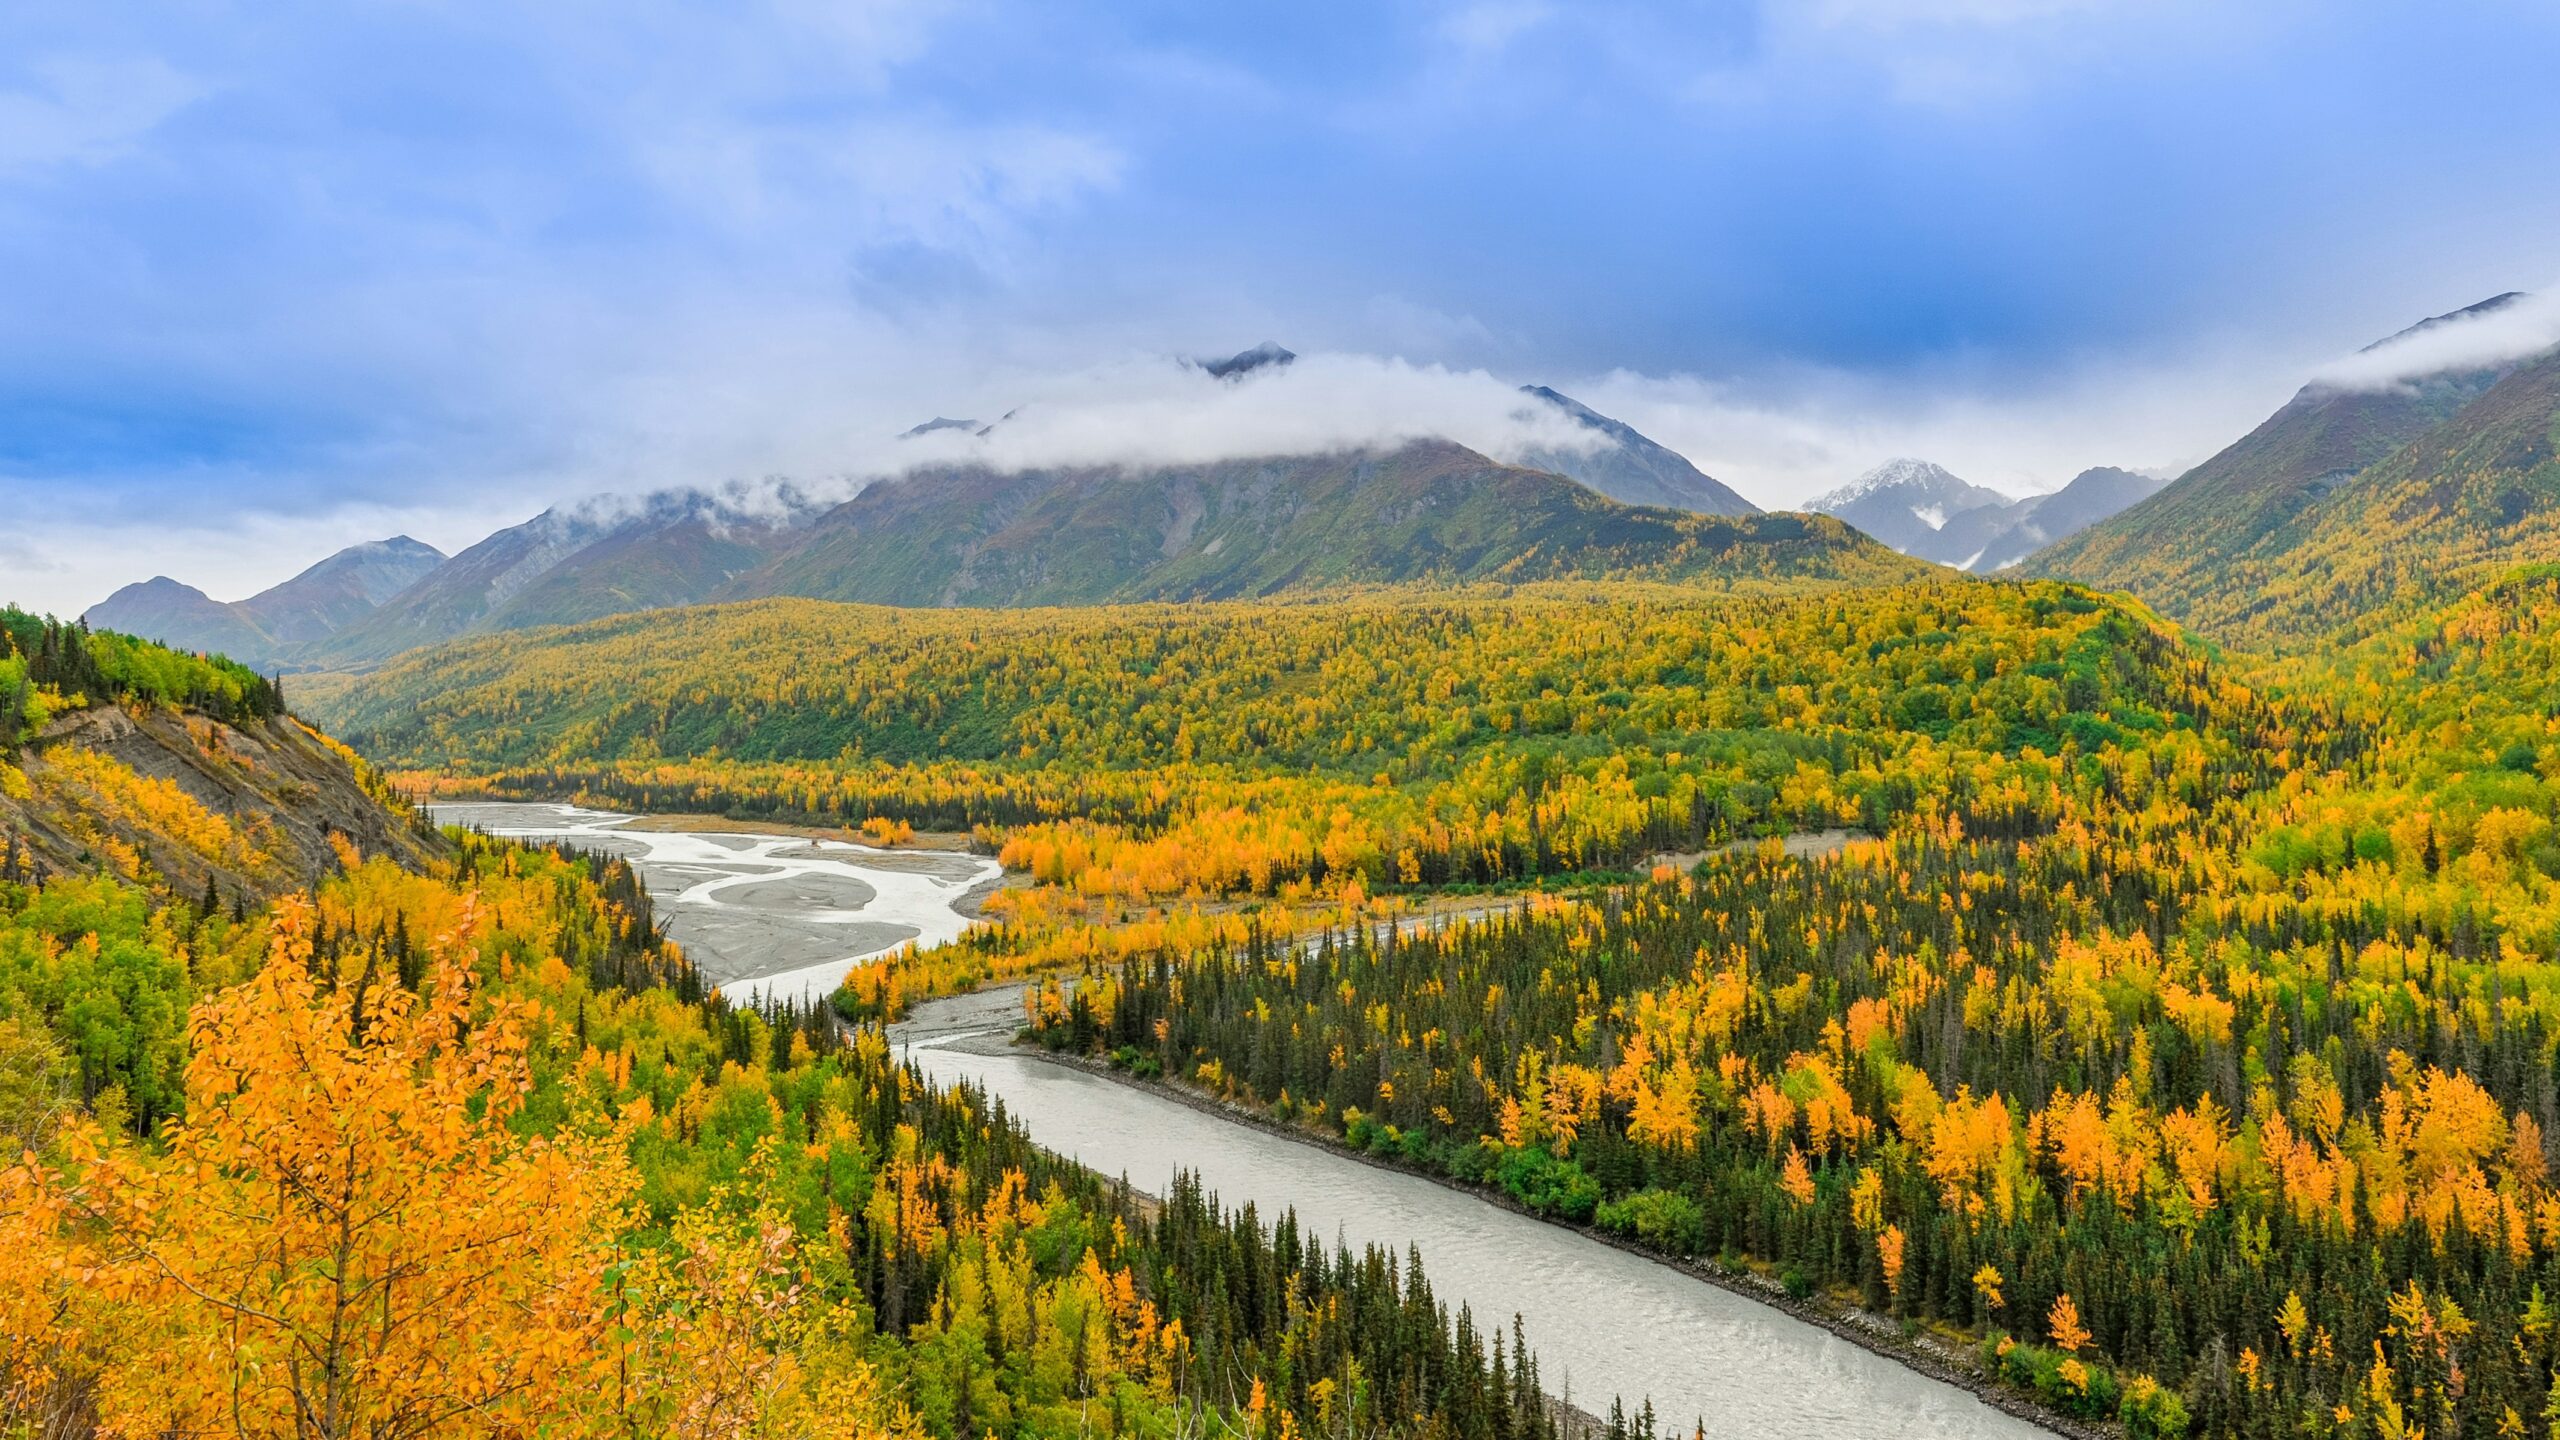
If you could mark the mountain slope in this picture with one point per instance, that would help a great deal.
(1429, 510)
(2464, 502)
(462, 592)
(2033, 523)
(562, 566)
(263, 630)
(1632, 468)
(2175, 548)
(678, 549)
(173, 770)
(340, 590)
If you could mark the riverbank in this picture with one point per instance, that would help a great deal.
(983, 1022)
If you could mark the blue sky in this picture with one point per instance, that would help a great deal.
(282, 276)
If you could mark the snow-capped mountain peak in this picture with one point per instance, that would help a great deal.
(1922, 509)
(1919, 508)
(1921, 483)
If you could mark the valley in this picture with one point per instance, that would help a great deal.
(1386, 939)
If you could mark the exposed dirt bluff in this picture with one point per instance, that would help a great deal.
(152, 792)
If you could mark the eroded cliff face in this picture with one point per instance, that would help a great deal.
(156, 794)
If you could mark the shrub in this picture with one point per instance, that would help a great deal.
(2072, 1386)
(1546, 1184)
(1663, 1219)
(2151, 1411)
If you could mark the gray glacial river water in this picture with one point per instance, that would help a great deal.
(759, 915)
(1603, 1322)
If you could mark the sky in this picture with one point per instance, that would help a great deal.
(284, 276)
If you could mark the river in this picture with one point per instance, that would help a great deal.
(764, 915)
(1603, 1322)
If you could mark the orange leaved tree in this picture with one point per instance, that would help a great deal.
(346, 1238)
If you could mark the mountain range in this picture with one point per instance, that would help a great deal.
(340, 591)
(2349, 503)
(1428, 510)
(964, 534)
(1922, 509)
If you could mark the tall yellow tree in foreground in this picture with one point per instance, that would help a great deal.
(345, 1237)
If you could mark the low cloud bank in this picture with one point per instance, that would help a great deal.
(1164, 412)
(2525, 326)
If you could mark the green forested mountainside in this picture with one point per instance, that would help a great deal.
(1391, 676)
(2245, 543)
(2176, 545)
(1407, 738)
(1427, 511)
(2443, 515)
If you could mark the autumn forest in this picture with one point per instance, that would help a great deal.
(2145, 1018)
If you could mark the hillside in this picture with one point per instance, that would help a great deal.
(2464, 502)
(340, 590)
(265, 630)
(1429, 511)
(1413, 737)
(2185, 545)
(124, 758)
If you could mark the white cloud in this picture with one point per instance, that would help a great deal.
(1788, 435)
(1159, 412)
(85, 111)
(2525, 326)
